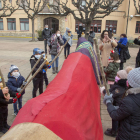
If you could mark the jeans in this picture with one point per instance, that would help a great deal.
(114, 125)
(19, 102)
(37, 83)
(56, 61)
(45, 44)
(121, 66)
(45, 78)
(67, 50)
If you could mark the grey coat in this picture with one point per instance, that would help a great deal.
(90, 37)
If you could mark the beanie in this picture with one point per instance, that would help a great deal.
(12, 68)
(36, 51)
(134, 78)
(122, 74)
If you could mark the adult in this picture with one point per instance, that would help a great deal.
(79, 32)
(122, 48)
(106, 44)
(137, 42)
(91, 36)
(66, 36)
(56, 43)
(46, 34)
(128, 113)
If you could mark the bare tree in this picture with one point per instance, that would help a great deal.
(32, 8)
(7, 8)
(85, 11)
(137, 6)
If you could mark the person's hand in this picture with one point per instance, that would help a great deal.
(14, 100)
(138, 37)
(102, 89)
(5, 90)
(108, 38)
(18, 89)
(43, 71)
(24, 83)
(108, 99)
(18, 95)
(7, 96)
(44, 39)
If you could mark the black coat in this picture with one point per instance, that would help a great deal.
(123, 48)
(136, 41)
(46, 33)
(128, 114)
(33, 60)
(3, 102)
(118, 90)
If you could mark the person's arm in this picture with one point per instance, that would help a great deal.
(109, 68)
(60, 41)
(136, 41)
(122, 46)
(92, 35)
(101, 45)
(1, 94)
(32, 65)
(43, 34)
(113, 42)
(4, 102)
(125, 110)
(11, 87)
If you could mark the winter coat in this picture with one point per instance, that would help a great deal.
(33, 61)
(90, 37)
(105, 51)
(56, 42)
(128, 114)
(46, 33)
(136, 41)
(14, 83)
(118, 90)
(111, 70)
(122, 49)
(3, 102)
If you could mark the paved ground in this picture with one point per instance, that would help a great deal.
(17, 51)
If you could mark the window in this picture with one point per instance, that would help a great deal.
(1, 24)
(11, 23)
(96, 25)
(111, 25)
(24, 24)
(137, 27)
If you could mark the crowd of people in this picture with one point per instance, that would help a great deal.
(123, 102)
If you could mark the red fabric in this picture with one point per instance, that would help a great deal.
(70, 106)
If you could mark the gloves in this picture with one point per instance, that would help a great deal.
(50, 61)
(43, 71)
(116, 107)
(49, 66)
(18, 89)
(14, 100)
(102, 89)
(24, 83)
(108, 99)
(18, 95)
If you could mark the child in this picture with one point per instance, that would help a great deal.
(38, 79)
(15, 81)
(112, 68)
(4, 101)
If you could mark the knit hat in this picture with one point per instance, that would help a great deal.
(12, 68)
(134, 78)
(36, 51)
(122, 74)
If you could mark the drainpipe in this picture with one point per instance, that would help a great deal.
(128, 17)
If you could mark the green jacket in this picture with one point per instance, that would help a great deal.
(111, 70)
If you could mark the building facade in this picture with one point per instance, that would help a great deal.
(124, 20)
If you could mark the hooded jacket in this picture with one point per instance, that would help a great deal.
(14, 83)
(128, 114)
(111, 70)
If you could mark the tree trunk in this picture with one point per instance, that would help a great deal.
(87, 26)
(33, 32)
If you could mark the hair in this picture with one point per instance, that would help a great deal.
(124, 35)
(128, 69)
(46, 25)
(115, 56)
(109, 34)
(57, 31)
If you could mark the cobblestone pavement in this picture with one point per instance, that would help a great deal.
(18, 51)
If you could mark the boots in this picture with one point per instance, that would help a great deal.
(110, 132)
(53, 70)
(56, 70)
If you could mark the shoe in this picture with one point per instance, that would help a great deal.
(56, 70)
(109, 129)
(53, 70)
(3, 130)
(110, 133)
(7, 126)
(65, 57)
(46, 86)
(15, 113)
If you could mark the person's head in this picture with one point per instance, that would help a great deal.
(46, 26)
(128, 69)
(91, 29)
(106, 33)
(43, 53)
(14, 71)
(123, 36)
(133, 78)
(121, 74)
(67, 29)
(58, 33)
(37, 53)
(114, 56)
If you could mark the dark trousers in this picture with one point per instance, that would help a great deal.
(67, 50)
(45, 78)
(121, 66)
(3, 116)
(45, 45)
(114, 125)
(37, 83)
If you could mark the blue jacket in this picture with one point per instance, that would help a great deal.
(14, 83)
